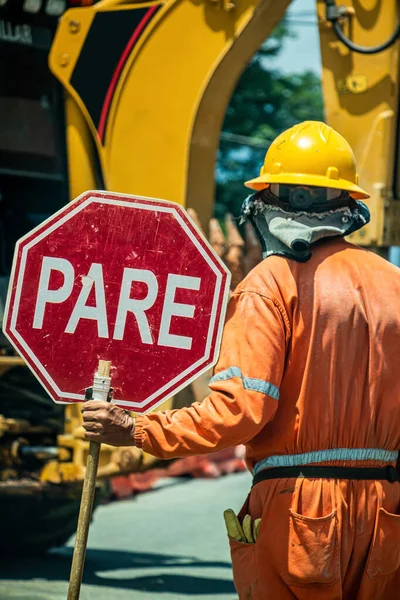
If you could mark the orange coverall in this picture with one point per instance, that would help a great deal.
(309, 373)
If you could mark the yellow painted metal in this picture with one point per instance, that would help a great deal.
(65, 52)
(310, 153)
(58, 472)
(11, 361)
(361, 102)
(8, 362)
(167, 109)
(256, 24)
(80, 150)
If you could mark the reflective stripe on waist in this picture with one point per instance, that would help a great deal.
(319, 456)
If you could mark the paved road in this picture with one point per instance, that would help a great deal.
(169, 544)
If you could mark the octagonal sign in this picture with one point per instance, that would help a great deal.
(120, 278)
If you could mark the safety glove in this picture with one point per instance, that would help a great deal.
(245, 532)
(107, 424)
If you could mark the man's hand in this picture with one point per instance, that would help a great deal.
(107, 424)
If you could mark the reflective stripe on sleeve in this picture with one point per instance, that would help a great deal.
(249, 383)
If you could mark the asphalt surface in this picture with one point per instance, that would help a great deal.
(168, 544)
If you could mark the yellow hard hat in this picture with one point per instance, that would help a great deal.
(310, 153)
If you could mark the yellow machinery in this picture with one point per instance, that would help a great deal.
(152, 113)
(134, 102)
(361, 97)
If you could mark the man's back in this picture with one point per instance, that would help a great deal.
(339, 405)
(341, 386)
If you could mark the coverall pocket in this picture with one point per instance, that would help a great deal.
(313, 553)
(244, 569)
(384, 556)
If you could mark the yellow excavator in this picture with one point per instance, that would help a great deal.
(130, 97)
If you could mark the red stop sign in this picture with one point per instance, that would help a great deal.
(120, 278)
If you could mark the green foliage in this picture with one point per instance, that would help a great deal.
(265, 103)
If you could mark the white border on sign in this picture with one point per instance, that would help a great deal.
(154, 208)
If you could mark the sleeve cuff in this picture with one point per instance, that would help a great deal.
(139, 433)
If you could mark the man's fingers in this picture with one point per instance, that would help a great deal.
(92, 436)
(89, 416)
(92, 426)
(99, 416)
(95, 405)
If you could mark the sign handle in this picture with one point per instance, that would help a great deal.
(101, 388)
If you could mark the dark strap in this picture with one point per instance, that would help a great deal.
(389, 473)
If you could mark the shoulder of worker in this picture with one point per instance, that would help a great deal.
(374, 260)
(342, 253)
(283, 280)
(272, 278)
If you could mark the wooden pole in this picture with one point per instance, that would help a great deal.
(101, 387)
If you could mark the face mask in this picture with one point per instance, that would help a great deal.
(288, 232)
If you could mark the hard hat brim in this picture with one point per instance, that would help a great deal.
(262, 182)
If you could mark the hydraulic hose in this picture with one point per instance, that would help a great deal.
(335, 13)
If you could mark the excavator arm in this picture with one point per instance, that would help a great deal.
(147, 87)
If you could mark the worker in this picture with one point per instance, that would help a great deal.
(308, 379)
